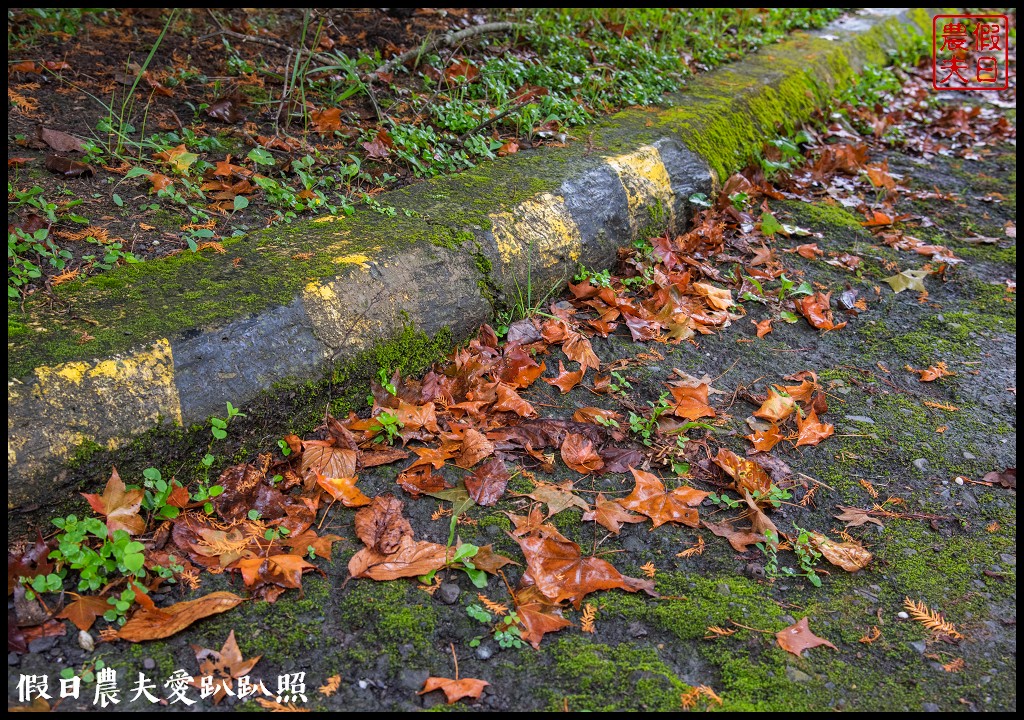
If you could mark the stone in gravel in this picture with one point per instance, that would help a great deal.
(969, 456)
(931, 707)
(149, 663)
(484, 651)
(412, 680)
(902, 615)
(921, 464)
(1008, 559)
(860, 419)
(13, 659)
(40, 645)
(796, 674)
(448, 593)
(637, 629)
(723, 589)
(85, 641)
(920, 646)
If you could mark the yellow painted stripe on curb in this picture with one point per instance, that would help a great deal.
(646, 182)
(333, 321)
(103, 401)
(541, 225)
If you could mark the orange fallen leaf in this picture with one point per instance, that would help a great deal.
(119, 505)
(343, 489)
(578, 453)
(225, 665)
(611, 514)
(747, 475)
(933, 372)
(565, 380)
(764, 327)
(765, 440)
(649, 497)
(155, 625)
(850, 556)
(691, 402)
(537, 615)
(812, 431)
(798, 637)
(776, 407)
(455, 690)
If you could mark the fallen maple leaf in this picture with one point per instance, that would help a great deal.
(557, 497)
(747, 475)
(850, 556)
(777, 406)
(908, 280)
(854, 517)
(765, 440)
(381, 526)
(225, 665)
(537, 615)
(579, 454)
(818, 311)
(650, 498)
(560, 571)
(718, 298)
(611, 514)
(119, 505)
(343, 489)
(410, 558)
(283, 570)
(739, 539)
(764, 327)
(487, 484)
(578, 348)
(812, 430)
(565, 381)
(329, 461)
(155, 625)
(455, 690)
(798, 637)
(691, 402)
(933, 372)
(418, 480)
(84, 611)
(475, 447)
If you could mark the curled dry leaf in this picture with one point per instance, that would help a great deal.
(455, 690)
(650, 498)
(578, 348)
(611, 514)
(155, 625)
(475, 447)
(578, 453)
(854, 517)
(764, 327)
(67, 167)
(765, 440)
(850, 556)
(818, 312)
(421, 479)
(777, 407)
(798, 637)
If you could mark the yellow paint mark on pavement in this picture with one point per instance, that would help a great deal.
(359, 259)
(542, 227)
(647, 184)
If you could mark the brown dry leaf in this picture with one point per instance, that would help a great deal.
(179, 157)
(59, 141)
(455, 690)
(410, 558)
(326, 121)
(591, 415)
(854, 517)
(381, 526)
(850, 556)
(798, 637)
(475, 447)
(331, 462)
(739, 539)
(84, 611)
(224, 665)
(718, 298)
(812, 430)
(119, 505)
(578, 348)
(933, 372)
(650, 498)
(808, 251)
(579, 454)
(537, 615)
(764, 327)
(611, 514)
(160, 181)
(510, 401)
(561, 573)
(765, 440)
(343, 489)
(557, 497)
(487, 484)
(421, 479)
(777, 407)
(818, 312)
(565, 381)
(691, 402)
(155, 625)
(747, 475)
(283, 570)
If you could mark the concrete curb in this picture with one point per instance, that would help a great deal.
(455, 248)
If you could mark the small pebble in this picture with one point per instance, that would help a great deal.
(958, 480)
(921, 464)
(484, 652)
(902, 615)
(85, 641)
(149, 663)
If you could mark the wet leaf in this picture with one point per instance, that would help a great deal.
(565, 381)
(283, 570)
(84, 611)
(455, 690)
(798, 637)
(510, 401)
(691, 402)
(578, 348)
(855, 517)
(817, 310)
(420, 479)
(739, 539)
(381, 526)
(611, 514)
(908, 280)
(344, 490)
(620, 460)
(119, 505)
(812, 430)
(933, 372)
(178, 157)
(557, 497)
(1007, 478)
(475, 447)
(850, 556)
(326, 121)
(561, 572)
(778, 406)
(591, 415)
(765, 440)
(170, 620)
(718, 298)
(808, 251)
(331, 462)
(67, 167)
(764, 327)
(31, 561)
(650, 498)
(578, 453)
(225, 665)
(487, 484)
(538, 615)
(409, 559)
(747, 475)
